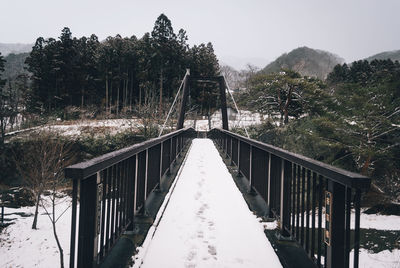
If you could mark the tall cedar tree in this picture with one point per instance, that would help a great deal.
(3, 104)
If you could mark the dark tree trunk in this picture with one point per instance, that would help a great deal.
(56, 236)
(106, 93)
(161, 90)
(83, 97)
(35, 217)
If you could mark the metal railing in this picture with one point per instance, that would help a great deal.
(313, 201)
(112, 189)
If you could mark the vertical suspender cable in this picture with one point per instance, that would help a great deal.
(236, 107)
(173, 104)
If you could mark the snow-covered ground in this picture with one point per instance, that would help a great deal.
(113, 126)
(383, 259)
(207, 223)
(245, 119)
(378, 222)
(109, 126)
(87, 127)
(369, 221)
(20, 246)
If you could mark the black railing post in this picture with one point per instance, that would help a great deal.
(231, 156)
(136, 183)
(170, 153)
(269, 183)
(176, 148)
(335, 247)
(250, 169)
(131, 191)
(238, 161)
(103, 211)
(183, 103)
(275, 179)
(73, 223)
(286, 172)
(2, 213)
(226, 145)
(319, 232)
(223, 103)
(357, 205)
(146, 176)
(313, 213)
(87, 240)
(161, 166)
(308, 207)
(347, 227)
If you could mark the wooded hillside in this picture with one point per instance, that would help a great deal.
(306, 61)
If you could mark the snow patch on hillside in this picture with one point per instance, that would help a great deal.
(244, 119)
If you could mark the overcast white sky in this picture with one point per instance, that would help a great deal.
(253, 30)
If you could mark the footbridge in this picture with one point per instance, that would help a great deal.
(155, 190)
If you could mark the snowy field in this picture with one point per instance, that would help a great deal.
(245, 119)
(87, 127)
(20, 246)
(204, 221)
(383, 259)
(84, 127)
(109, 126)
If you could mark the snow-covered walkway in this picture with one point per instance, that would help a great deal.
(206, 222)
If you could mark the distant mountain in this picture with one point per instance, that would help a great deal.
(14, 65)
(393, 55)
(306, 61)
(6, 48)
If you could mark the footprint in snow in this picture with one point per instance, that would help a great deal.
(190, 259)
(200, 234)
(212, 250)
(197, 195)
(190, 265)
(202, 209)
(211, 226)
(192, 254)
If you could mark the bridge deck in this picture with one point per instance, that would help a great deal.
(206, 222)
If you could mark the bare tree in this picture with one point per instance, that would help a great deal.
(41, 165)
(149, 116)
(234, 78)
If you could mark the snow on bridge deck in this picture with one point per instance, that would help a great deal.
(206, 222)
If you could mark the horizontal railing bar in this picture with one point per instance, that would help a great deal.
(85, 169)
(344, 177)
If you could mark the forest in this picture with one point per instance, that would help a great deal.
(113, 75)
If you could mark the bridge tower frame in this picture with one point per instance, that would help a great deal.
(204, 79)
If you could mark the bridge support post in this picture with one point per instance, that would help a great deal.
(286, 172)
(88, 231)
(335, 249)
(183, 104)
(131, 193)
(223, 103)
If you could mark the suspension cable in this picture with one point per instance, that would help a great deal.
(237, 109)
(173, 104)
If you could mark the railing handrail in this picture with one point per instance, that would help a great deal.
(344, 177)
(87, 168)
